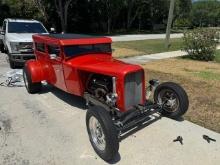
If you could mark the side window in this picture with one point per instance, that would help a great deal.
(40, 47)
(54, 49)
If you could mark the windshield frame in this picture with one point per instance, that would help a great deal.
(89, 52)
(10, 23)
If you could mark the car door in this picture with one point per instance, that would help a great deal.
(56, 66)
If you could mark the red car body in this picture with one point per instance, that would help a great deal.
(71, 74)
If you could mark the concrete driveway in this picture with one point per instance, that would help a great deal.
(49, 129)
(134, 37)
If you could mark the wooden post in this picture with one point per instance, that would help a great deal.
(169, 23)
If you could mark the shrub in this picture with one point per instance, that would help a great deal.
(200, 44)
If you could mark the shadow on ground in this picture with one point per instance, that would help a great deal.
(80, 103)
(70, 99)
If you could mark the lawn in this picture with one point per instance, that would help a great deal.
(134, 48)
(201, 80)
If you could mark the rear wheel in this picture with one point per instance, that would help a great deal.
(102, 133)
(173, 98)
(30, 86)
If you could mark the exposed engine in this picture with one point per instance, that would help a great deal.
(100, 86)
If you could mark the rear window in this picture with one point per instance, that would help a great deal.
(75, 50)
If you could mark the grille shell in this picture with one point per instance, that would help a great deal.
(133, 89)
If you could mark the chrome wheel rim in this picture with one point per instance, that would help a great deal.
(169, 99)
(25, 80)
(97, 134)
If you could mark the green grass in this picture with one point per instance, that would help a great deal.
(208, 75)
(217, 56)
(150, 46)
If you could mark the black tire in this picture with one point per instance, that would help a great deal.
(107, 128)
(12, 64)
(30, 86)
(180, 97)
(2, 47)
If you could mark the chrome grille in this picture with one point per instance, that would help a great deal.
(25, 47)
(133, 89)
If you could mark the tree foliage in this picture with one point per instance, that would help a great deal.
(98, 16)
(206, 13)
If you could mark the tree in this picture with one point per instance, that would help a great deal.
(158, 12)
(42, 7)
(62, 7)
(134, 10)
(5, 11)
(182, 12)
(206, 13)
(112, 9)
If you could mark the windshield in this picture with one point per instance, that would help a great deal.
(25, 27)
(71, 51)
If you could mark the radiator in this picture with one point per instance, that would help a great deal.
(133, 89)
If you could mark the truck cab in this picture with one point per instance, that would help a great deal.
(16, 39)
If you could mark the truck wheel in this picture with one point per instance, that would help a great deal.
(173, 98)
(2, 48)
(12, 64)
(30, 86)
(102, 133)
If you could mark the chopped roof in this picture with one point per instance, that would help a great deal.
(71, 39)
(70, 36)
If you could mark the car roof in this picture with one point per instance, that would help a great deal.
(70, 36)
(21, 20)
(71, 39)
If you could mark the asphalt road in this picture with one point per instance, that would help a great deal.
(49, 129)
(134, 37)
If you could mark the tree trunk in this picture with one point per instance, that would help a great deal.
(129, 15)
(62, 10)
(169, 22)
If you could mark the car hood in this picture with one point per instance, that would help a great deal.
(20, 37)
(103, 64)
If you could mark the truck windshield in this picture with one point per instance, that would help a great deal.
(25, 27)
(74, 50)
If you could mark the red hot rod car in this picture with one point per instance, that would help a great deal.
(115, 91)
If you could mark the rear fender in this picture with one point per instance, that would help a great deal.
(36, 71)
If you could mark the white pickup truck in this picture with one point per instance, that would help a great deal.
(16, 39)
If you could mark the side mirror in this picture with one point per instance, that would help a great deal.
(53, 56)
(52, 30)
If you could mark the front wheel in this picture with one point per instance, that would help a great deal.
(12, 64)
(173, 99)
(2, 47)
(102, 133)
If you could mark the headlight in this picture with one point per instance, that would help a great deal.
(14, 46)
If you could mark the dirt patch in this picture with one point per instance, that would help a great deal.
(12, 158)
(204, 94)
(5, 124)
